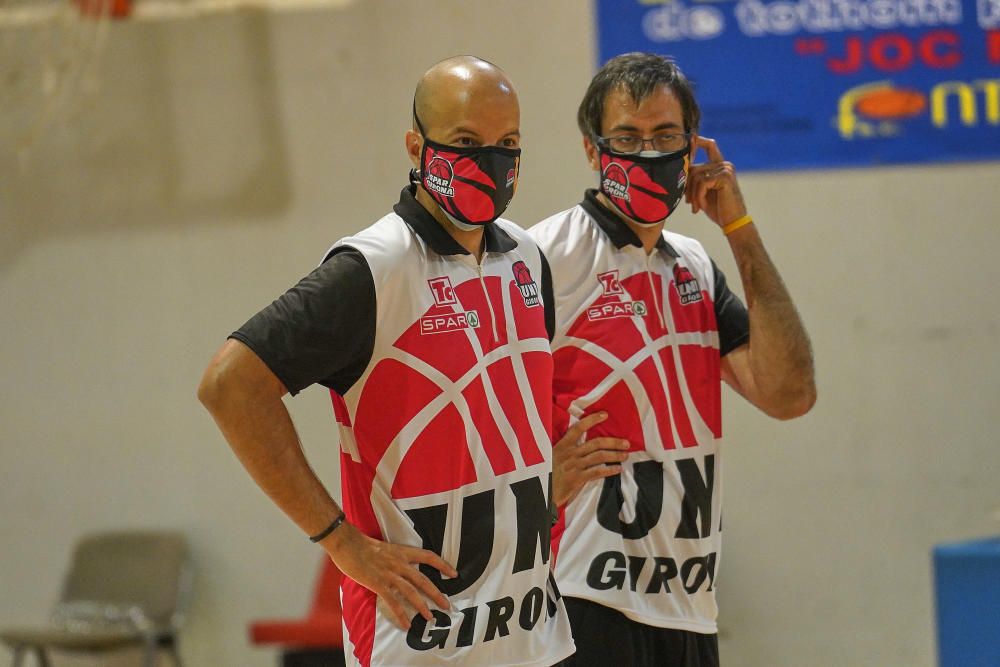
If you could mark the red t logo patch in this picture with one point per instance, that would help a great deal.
(609, 282)
(444, 294)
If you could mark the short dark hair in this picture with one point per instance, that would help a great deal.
(638, 74)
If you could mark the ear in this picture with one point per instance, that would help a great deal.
(414, 145)
(593, 157)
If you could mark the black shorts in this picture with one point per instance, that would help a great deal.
(605, 637)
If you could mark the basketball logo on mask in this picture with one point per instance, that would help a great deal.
(461, 188)
(630, 187)
(439, 176)
(616, 181)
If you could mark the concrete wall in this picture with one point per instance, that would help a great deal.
(222, 156)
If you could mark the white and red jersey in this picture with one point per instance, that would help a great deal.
(446, 445)
(440, 371)
(637, 336)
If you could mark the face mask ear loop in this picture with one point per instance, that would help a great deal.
(416, 119)
(415, 173)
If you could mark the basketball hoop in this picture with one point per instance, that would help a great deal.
(117, 9)
(50, 53)
(49, 56)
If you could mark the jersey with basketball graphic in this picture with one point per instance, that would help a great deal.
(638, 336)
(446, 445)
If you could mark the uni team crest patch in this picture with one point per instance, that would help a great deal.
(525, 283)
(686, 285)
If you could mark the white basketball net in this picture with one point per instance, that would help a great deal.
(50, 54)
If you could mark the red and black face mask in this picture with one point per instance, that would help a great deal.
(643, 187)
(473, 185)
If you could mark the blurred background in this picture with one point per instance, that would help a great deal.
(200, 164)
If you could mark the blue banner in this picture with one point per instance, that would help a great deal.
(786, 84)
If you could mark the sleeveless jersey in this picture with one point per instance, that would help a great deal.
(446, 445)
(637, 336)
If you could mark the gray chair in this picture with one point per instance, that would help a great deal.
(124, 589)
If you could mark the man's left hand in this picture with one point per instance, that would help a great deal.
(712, 187)
(576, 462)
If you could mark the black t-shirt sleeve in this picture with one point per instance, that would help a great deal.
(322, 330)
(548, 298)
(730, 314)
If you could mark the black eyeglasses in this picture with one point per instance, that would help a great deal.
(631, 144)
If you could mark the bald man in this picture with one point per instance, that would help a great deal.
(431, 329)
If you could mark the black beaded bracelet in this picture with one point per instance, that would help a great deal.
(329, 529)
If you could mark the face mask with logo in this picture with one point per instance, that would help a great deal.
(645, 186)
(472, 184)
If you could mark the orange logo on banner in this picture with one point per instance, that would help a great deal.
(875, 109)
(891, 103)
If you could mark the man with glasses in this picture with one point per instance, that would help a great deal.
(646, 331)
(431, 328)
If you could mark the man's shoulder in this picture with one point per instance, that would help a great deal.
(387, 239)
(555, 223)
(686, 246)
(692, 254)
(514, 230)
(560, 232)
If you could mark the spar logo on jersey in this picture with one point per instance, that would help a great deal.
(443, 292)
(439, 175)
(612, 286)
(687, 287)
(611, 310)
(610, 283)
(525, 283)
(616, 181)
(447, 322)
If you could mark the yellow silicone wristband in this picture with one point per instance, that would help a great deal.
(736, 224)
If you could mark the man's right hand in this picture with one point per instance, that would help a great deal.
(574, 462)
(390, 571)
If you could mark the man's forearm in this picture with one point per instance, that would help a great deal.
(244, 397)
(256, 424)
(780, 353)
